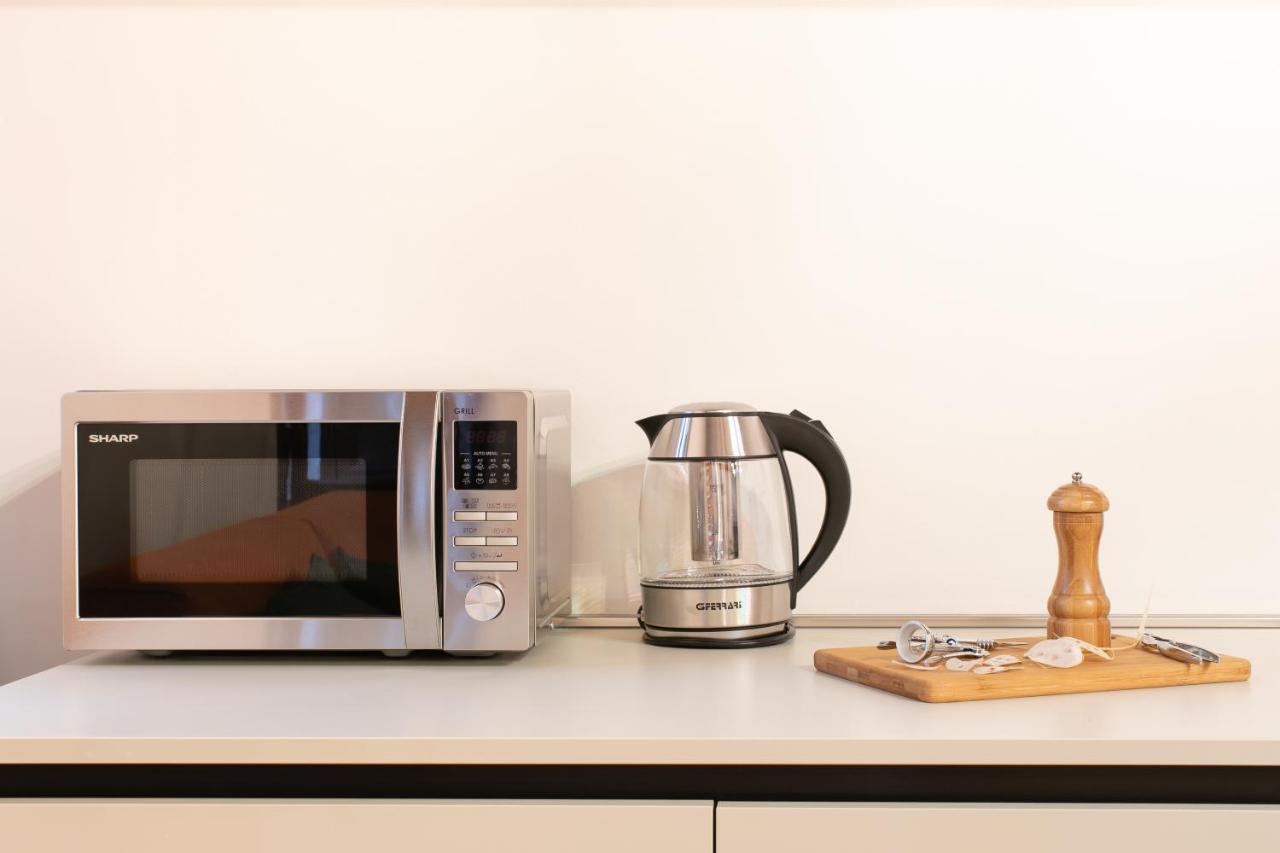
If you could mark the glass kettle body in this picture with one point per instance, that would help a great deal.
(719, 557)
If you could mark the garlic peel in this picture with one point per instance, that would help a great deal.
(988, 669)
(914, 665)
(1090, 647)
(962, 664)
(1062, 653)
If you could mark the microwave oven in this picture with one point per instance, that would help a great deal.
(378, 520)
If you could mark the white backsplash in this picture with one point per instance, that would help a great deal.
(988, 246)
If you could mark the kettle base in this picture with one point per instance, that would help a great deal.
(687, 641)
(732, 638)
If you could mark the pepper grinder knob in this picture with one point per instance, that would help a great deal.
(1078, 605)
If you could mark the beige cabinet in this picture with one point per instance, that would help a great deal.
(342, 826)
(986, 828)
(534, 826)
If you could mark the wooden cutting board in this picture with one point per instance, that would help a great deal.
(1130, 669)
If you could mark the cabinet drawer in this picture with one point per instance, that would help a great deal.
(340, 826)
(992, 828)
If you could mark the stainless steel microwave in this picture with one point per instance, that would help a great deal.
(381, 520)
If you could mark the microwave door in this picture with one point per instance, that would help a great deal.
(217, 526)
(419, 595)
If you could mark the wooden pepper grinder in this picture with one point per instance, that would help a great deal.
(1078, 606)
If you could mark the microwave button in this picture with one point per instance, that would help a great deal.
(472, 541)
(501, 516)
(483, 566)
(501, 540)
(467, 515)
(484, 602)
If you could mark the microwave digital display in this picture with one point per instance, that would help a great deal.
(484, 455)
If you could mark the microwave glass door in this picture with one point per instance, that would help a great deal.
(237, 519)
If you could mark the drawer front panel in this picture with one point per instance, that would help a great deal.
(340, 826)
(993, 828)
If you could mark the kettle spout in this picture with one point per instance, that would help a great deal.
(652, 425)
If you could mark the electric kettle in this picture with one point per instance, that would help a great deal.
(719, 557)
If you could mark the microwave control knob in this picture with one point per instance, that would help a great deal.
(484, 602)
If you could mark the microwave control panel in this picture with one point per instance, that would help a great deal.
(487, 574)
(485, 455)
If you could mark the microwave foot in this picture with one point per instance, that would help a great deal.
(156, 653)
(395, 653)
(457, 654)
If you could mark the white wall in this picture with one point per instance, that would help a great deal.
(988, 246)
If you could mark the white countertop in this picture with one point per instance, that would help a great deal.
(601, 696)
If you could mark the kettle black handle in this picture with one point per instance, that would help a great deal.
(802, 435)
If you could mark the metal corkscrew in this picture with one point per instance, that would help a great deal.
(917, 641)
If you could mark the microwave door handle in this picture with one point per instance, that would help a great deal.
(415, 520)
